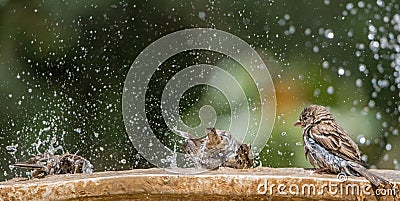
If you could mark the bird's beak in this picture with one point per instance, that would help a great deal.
(298, 123)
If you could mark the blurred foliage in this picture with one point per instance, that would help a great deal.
(63, 65)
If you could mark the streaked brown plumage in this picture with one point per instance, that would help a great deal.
(329, 147)
(46, 164)
(218, 149)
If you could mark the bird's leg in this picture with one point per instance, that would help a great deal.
(320, 171)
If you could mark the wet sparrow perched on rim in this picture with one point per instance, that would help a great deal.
(46, 164)
(217, 149)
(329, 147)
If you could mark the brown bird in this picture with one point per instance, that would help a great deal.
(217, 149)
(46, 164)
(329, 147)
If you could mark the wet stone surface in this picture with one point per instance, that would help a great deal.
(223, 184)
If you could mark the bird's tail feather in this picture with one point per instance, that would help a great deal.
(27, 166)
(373, 178)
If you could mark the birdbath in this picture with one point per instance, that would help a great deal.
(259, 183)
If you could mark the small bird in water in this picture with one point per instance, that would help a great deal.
(217, 149)
(46, 164)
(329, 147)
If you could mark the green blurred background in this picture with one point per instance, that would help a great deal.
(63, 66)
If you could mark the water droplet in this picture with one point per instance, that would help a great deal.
(78, 130)
(361, 67)
(362, 140)
(388, 147)
(307, 32)
(386, 157)
(349, 6)
(359, 83)
(325, 64)
(202, 15)
(371, 103)
(378, 116)
(292, 30)
(316, 92)
(315, 49)
(374, 46)
(330, 90)
(12, 148)
(380, 3)
(341, 71)
(364, 157)
(329, 34)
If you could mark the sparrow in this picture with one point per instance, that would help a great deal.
(217, 149)
(46, 164)
(329, 147)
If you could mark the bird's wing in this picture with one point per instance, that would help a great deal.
(28, 166)
(336, 140)
(191, 146)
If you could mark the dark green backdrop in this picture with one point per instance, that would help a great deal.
(63, 65)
